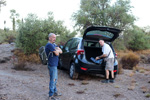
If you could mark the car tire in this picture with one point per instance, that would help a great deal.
(72, 72)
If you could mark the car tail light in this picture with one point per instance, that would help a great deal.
(116, 55)
(115, 70)
(80, 52)
(83, 68)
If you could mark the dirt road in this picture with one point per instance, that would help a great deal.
(33, 85)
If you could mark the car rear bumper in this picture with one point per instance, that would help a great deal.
(92, 68)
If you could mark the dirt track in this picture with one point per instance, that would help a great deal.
(33, 85)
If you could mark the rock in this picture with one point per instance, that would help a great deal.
(5, 52)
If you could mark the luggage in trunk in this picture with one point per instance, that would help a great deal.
(92, 52)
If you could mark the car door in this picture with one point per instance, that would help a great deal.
(66, 53)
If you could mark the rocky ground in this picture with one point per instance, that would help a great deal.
(33, 84)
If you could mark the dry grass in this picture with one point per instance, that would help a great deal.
(85, 82)
(129, 60)
(144, 52)
(147, 95)
(33, 58)
(120, 69)
(117, 95)
(144, 89)
(71, 84)
(80, 92)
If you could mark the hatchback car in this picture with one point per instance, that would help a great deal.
(78, 51)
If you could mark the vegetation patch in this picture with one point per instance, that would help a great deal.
(130, 60)
(71, 84)
(80, 92)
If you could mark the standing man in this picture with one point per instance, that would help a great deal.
(52, 52)
(109, 58)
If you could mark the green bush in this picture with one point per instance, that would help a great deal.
(7, 36)
(129, 60)
(30, 36)
(33, 33)
(118, 44)
(138, 39)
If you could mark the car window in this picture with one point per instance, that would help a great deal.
(91, 44)
(67, 46)
(100, 33)
(75, 43)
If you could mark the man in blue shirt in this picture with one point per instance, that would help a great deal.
(52, 52)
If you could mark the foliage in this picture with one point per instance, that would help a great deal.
(130, 60)
(33, 58)
(2, 3)
(13, 16)
(57, 27)
(7, 36)
(33, 32)
(30, 36)
(138, 39)
(118, 44)
(102, 13)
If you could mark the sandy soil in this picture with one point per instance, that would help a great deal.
(33, 85)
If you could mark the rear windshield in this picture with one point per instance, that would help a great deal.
(105, 34)
(91, 44)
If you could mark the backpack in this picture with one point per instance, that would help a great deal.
(43, 56)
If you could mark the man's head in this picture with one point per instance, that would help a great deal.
(101, 42)
(52, 37)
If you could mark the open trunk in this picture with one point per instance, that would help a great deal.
(92, 52)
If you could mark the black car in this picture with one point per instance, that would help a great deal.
(78, 51)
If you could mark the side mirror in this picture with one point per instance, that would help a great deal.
(61, 47)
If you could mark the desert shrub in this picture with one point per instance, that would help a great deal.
(120, 69)
(7, 36)
(130, 60)
(138, 39)
(32, 58)
(33, 33)
(118, 44)
(30, 36)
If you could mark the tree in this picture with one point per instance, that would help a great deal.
(14, 16)
(33, 32)
(102, 13)
(137, 39)
(2, 3)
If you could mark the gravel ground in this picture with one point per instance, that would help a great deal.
(33, 85)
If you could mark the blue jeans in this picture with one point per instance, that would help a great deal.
(53, 80)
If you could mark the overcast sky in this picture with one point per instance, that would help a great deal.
(63, 10)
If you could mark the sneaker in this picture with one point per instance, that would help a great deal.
(57, 94)
(111, 80)
(52, 98)
(105, 81)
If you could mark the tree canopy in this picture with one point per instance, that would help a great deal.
(2, 3)
(104, 13)
(33, 32)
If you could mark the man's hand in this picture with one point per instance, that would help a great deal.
(97, 58)
(58, 49)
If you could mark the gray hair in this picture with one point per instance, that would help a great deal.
(50, 34)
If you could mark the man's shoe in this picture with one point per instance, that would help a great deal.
(52, 98)
(105, 81)
(57, 94)
(111, 80)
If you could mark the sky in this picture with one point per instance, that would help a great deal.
(63, 9)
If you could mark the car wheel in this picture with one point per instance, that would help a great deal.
(73, 74)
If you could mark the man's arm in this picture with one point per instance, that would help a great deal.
(57, 51)
(102, 56)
